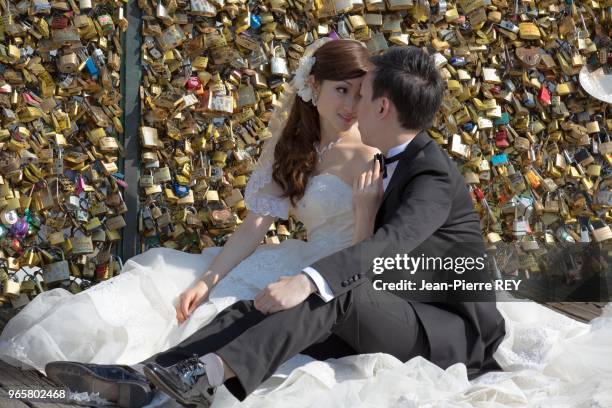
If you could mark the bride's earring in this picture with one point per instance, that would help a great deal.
(314, 99)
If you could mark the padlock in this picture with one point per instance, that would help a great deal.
(56, 238)
(115, 223)
(605, 145)
(80, 245)
(501, 139)
(246, 96)
(601, 231)
(28, 285)
(11, 287)
(221, 103)
(551, 204)
(520, 227)
(149, 137)
(68, 63)
(603, 198)
(162, 175)
(146, 180)
(278, 63)
(56, 271)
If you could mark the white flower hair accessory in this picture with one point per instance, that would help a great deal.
(300, 79)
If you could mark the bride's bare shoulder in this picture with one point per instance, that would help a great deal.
(361, 157)
(367, 151)
(363, 153)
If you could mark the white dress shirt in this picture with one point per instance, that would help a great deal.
(323, 288)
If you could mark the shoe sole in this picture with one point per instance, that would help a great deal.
(160, 384)
(126, 394)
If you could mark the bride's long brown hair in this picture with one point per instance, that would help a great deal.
(295, 156)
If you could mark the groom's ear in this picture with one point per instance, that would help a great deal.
(385, 107)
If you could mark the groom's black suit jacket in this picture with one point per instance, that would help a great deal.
(427, 209)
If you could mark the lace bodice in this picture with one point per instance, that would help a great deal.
(326, 210)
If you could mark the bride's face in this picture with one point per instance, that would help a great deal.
(337, 103)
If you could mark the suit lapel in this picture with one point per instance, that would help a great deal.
(414, 147)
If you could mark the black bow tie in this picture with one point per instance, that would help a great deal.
(385, 161)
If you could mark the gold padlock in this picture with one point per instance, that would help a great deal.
(68, 63)
(80, 245)
(11, 288)
(115, 223)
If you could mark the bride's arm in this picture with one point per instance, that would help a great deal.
(239, 246)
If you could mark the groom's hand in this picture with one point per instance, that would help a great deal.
(287, 292)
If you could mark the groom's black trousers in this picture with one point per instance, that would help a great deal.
(254, 345)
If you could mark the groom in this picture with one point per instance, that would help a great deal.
(333, 308)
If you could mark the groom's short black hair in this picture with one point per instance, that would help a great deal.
(409, 77)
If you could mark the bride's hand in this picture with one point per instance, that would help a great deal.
(190, 300)
(368, 193)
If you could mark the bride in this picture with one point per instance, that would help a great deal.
(163, 295)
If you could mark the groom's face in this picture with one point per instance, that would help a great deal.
(368, 121)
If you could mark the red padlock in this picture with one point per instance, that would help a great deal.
(479, 193)
(544, 96)
(16, 246)
(193, 83)
(501, 138)
(103, 271)
(59, 22)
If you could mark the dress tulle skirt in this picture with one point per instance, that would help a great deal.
(132, 316)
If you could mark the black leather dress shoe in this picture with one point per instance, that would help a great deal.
(119, 384)
(185, 381)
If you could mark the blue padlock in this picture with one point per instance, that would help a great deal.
(499, 159)
(468, 127)
(529, 100)
(504, 120)
(458, 62)
(255, 21)
(179, 190)
(91, 68)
